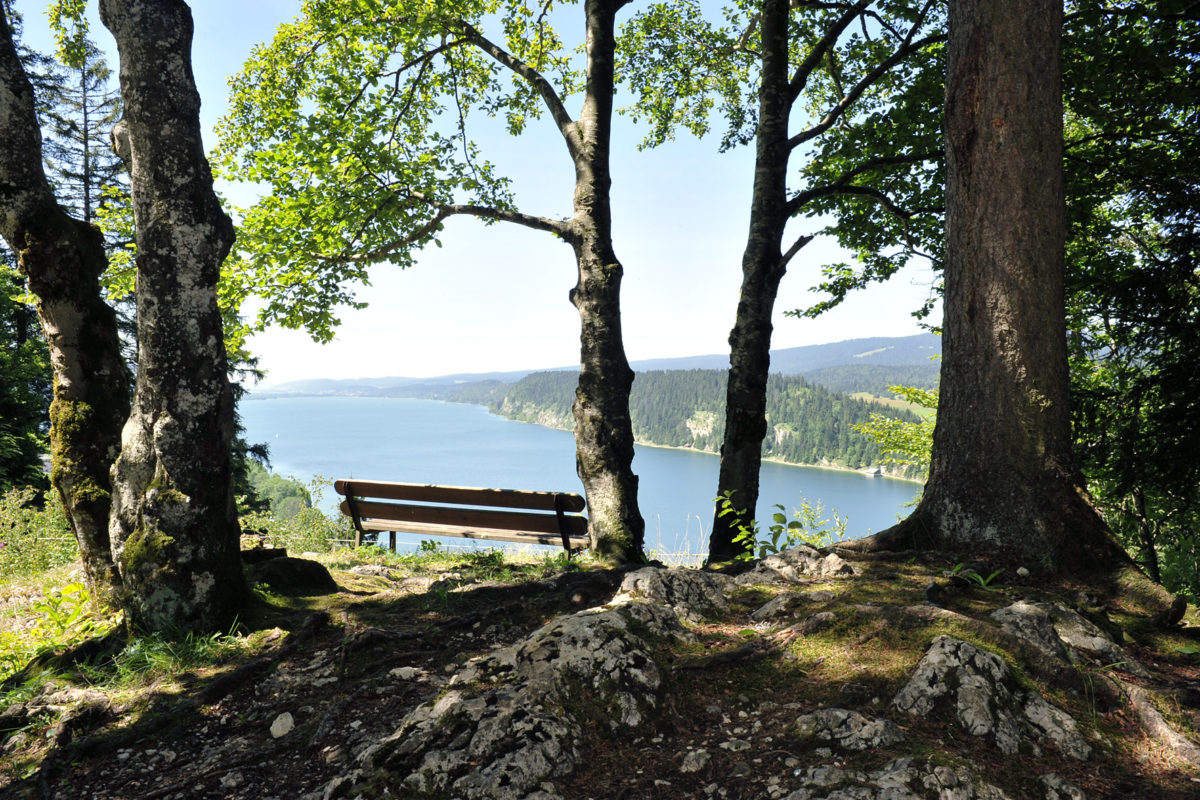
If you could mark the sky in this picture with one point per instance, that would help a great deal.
(495, 298)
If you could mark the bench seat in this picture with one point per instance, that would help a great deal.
(466, 512)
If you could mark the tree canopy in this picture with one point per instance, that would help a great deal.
(357, 116)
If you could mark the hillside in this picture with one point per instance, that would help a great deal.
(910, 353)
(686, 408)
(809, 677)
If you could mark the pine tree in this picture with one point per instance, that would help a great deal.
(78, 108)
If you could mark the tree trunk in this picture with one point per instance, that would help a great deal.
(62, 258)
(603, 430)
(174, 526)
(1002, 475)
(763, 267)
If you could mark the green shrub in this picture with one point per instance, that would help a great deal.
(309, 530)
(285, 497)
(33, 540)
(64, 617)
(807, 527)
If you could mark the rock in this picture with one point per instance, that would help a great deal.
(814, 623)
(794, 564)
(848, 730)
(1032, 623)
(406, 673)
(1059, 789)
(901, 779)
(987, 700)
(694, 761)
(1058, 631)
(377, 570)
(67, 697)
(297, 577)
(933, 593)
(514, 719)
(777, 606)
(283, 725)
(788, 602)
(1022, 572)
(693, 595)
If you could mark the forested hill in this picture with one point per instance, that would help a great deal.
(686, 408)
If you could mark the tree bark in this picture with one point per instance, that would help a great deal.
(763, 267)
(62, 259)
(174, 526)
(1002, 475)
(603, 429)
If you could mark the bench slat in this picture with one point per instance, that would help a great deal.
(462, 495)
(490, 534)
(371, 511)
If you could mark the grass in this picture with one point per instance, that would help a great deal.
(880, 630)
(896, 403)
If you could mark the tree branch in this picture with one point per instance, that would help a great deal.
(811, 61)
(804, 198)
(796, 247)
(559, 227)
(905, 49)
(876, 195)
(837, 111)
(549, 96)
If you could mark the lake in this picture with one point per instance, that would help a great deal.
(427, 441)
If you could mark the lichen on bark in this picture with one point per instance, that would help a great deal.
(174, 525)
(62, 259)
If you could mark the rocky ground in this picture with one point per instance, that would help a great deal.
(809, 676)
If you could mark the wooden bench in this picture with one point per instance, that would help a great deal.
(470, 513)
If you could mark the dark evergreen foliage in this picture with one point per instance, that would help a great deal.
(808, 424)
(875, 378)
(24, 387)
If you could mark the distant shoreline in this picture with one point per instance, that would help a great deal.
(781, 462)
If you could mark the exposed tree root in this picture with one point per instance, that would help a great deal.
(1157, 727)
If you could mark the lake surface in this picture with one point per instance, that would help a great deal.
(426, 441)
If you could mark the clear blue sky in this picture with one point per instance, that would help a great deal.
(495, 298)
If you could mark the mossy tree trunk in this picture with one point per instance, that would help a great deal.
(763, 267)
(603, 428)
(62, 258)
(174, 526)
(1002, 475)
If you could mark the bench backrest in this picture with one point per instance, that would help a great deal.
(463, 506)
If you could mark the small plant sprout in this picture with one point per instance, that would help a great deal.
(808, 526)
(965, 574)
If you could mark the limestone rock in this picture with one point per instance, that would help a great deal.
(692, 594)
(848, 730)
(1059, 789)
(814, 623)
(377, 570)
(794, 564)
(283, 725)
(788, 602)
(1060, 632)
(901, 779)
(777, 606)
(987, 700)
(694, 761)
(514, 719)
(1031, 622)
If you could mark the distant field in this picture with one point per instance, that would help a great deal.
(892, 402)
